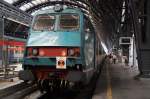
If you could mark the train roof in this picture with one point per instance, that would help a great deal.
(66, 10)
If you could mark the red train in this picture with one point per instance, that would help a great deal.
(14, 50)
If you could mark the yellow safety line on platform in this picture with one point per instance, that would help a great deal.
(109, 88)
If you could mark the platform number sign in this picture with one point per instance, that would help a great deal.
(61, 62)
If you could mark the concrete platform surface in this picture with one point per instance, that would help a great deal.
(5, 83)
(117, 82)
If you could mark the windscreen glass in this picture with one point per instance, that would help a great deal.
(69, 22)
(14, 29)
(44, 22)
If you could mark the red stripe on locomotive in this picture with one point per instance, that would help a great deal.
(53, 52)
(11, 43)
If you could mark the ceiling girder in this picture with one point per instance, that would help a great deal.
(53, 3)
(20, 3)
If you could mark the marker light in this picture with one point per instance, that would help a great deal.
(74, 52)
(41, 53)
(58, 8)
(71, 52)
(63, 53)
(35, 52)
(29, 52)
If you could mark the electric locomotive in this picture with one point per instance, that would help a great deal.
(61, 49)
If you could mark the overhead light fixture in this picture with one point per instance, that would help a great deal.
(58, 8)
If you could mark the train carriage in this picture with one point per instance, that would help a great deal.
(61, 49)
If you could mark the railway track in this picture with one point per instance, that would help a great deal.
(18, 91)
(30, 91)
(85, 93)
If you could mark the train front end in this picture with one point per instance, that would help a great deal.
(53, 55)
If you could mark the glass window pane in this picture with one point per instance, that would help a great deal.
(34, 2)
(31, 5)
(44, 22)
(22, 8)
(9, 1)
(43, 1)
(38, 1)
(69, 22)
(27, 6)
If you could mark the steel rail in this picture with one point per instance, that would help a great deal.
(13, 89)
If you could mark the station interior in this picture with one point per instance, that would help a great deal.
(122, 27)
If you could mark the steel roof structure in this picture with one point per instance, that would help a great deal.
(112, 16)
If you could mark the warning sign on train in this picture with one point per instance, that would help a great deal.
(61, 62)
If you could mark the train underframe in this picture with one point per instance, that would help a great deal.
(49, 79)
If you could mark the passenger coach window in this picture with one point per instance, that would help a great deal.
(69, 22)
(44, 22)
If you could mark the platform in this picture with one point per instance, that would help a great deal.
(11, 78)
(9, 82)
(117, 82)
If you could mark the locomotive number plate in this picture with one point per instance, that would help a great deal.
(60, 62)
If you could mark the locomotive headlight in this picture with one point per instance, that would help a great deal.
(63, 53)
(41, 53)
(74, 52)
(29, 52)
(78, 66)
(58, 8)
(71, 52)
(35, 52)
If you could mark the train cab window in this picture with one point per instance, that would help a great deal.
(44, 22)
(69, 22)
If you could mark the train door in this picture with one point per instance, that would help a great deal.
(89, 50)
(96, 53)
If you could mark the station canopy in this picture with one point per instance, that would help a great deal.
(98, 9)
(32, 6)
(110, 17)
